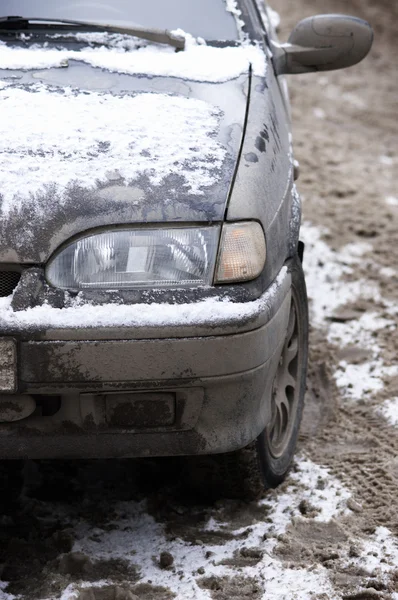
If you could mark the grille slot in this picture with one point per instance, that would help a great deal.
(8, 282)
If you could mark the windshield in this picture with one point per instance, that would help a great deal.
(202, 18)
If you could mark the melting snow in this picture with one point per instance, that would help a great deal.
(381, 545)
(388, 272)
(66, 135)
(197, 62)
(232, 7)
(135, 530)
(389, 410)
(319, 113)
(4, 595)
(324, 269)
(386, 160)
(207, 311)
(358, 380)
(327, 290)
(329, 499)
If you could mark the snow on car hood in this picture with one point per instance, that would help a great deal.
(78, 136)
(82, 147)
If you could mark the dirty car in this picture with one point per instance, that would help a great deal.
(152, 296)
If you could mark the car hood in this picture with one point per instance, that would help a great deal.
(84, 148)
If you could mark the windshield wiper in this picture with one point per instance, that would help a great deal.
(160, 36)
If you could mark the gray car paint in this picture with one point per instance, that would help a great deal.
(234, 404)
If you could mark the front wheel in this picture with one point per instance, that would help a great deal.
(265, 462)
(277, 443)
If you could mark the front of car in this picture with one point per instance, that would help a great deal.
(147, 218)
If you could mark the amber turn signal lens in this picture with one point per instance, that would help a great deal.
(242, 252)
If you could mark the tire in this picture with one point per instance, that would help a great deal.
(276, 456)
(265, 462)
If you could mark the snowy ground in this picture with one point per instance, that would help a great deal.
(123, 530)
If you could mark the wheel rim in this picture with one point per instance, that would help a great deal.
(286, 388)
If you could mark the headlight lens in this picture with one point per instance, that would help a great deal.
(137, 258)
(242, 252)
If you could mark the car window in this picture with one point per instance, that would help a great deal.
(202, 18)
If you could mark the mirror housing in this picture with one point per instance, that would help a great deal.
(323, 43)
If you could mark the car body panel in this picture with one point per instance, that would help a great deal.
(263, 189)
(240, 316)
(66, 364)
(221, 400)
(61, 214)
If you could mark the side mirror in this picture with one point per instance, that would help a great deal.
(323, 43)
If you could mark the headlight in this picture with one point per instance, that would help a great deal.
(154, 258)
(137, 258)
(242, 252)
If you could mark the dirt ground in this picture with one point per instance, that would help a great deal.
(123, 530)
(348, 164)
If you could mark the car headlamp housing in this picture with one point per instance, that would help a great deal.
(137, 258)
(160, 258)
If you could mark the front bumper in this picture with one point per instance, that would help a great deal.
(186, 388)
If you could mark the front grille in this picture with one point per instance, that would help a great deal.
(8, 282)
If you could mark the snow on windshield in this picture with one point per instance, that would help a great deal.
(198, 62)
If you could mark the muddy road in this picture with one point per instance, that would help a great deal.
(128, 529)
